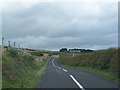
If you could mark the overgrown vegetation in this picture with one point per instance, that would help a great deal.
(0, 67)
(37, 53)
(105, 61)
(21, 69)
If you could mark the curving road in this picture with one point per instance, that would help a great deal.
(58, 77)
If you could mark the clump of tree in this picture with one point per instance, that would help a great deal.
(80, 50)
(29, 49)
(63, 50)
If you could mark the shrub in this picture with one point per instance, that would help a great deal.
(37, 53)
(12, 52)
(63, 50)
(28, 57)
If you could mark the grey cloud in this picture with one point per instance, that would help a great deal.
(57, 25)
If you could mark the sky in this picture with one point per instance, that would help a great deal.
(56, 25)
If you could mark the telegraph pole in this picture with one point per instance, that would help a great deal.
(18, 49)
(3, 41)
(14, 44)
(8, 43)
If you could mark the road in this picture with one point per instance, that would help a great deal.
(57, 77)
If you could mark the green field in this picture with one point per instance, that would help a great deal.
(101, 62)
(21, 70)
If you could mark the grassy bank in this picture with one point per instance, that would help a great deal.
(21, 70)
(102, 62)
(0, 67)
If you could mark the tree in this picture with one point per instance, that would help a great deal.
(63, 50)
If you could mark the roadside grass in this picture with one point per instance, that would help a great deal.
(33, 81)
(40, 73)
(102, 73)
(21, 71)
(103, 63)
(0, 67)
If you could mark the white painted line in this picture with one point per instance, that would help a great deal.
(57, 66)
(80, 86)
(54, 65)
(64, 70)
(53, 62)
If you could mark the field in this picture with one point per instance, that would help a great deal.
(101, 62)
(21, 69)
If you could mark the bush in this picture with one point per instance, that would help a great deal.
(22, 73)
(12, 52)
(28, 57)
(37, 53)
(63, 50)
(104, 65)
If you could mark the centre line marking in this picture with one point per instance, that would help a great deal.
(64, 70)
(57, 66)
(53, 62)
(80, 86)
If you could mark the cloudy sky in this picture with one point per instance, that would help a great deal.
(54, 25)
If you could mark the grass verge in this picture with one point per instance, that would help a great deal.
(104, 63)
(102, 73)
(22, 70)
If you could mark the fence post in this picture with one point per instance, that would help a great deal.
(18, 49)
(14, 44)
(8, 43)
(73, 54)
(3, 41)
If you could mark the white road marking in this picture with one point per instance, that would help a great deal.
(57, 66)
(80, 86)
(53, 62)
(64, 70)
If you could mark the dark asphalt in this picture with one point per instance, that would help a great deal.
(56, 77)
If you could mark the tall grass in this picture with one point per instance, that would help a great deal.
(106, 60)
(0, 67)
(20, 70)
